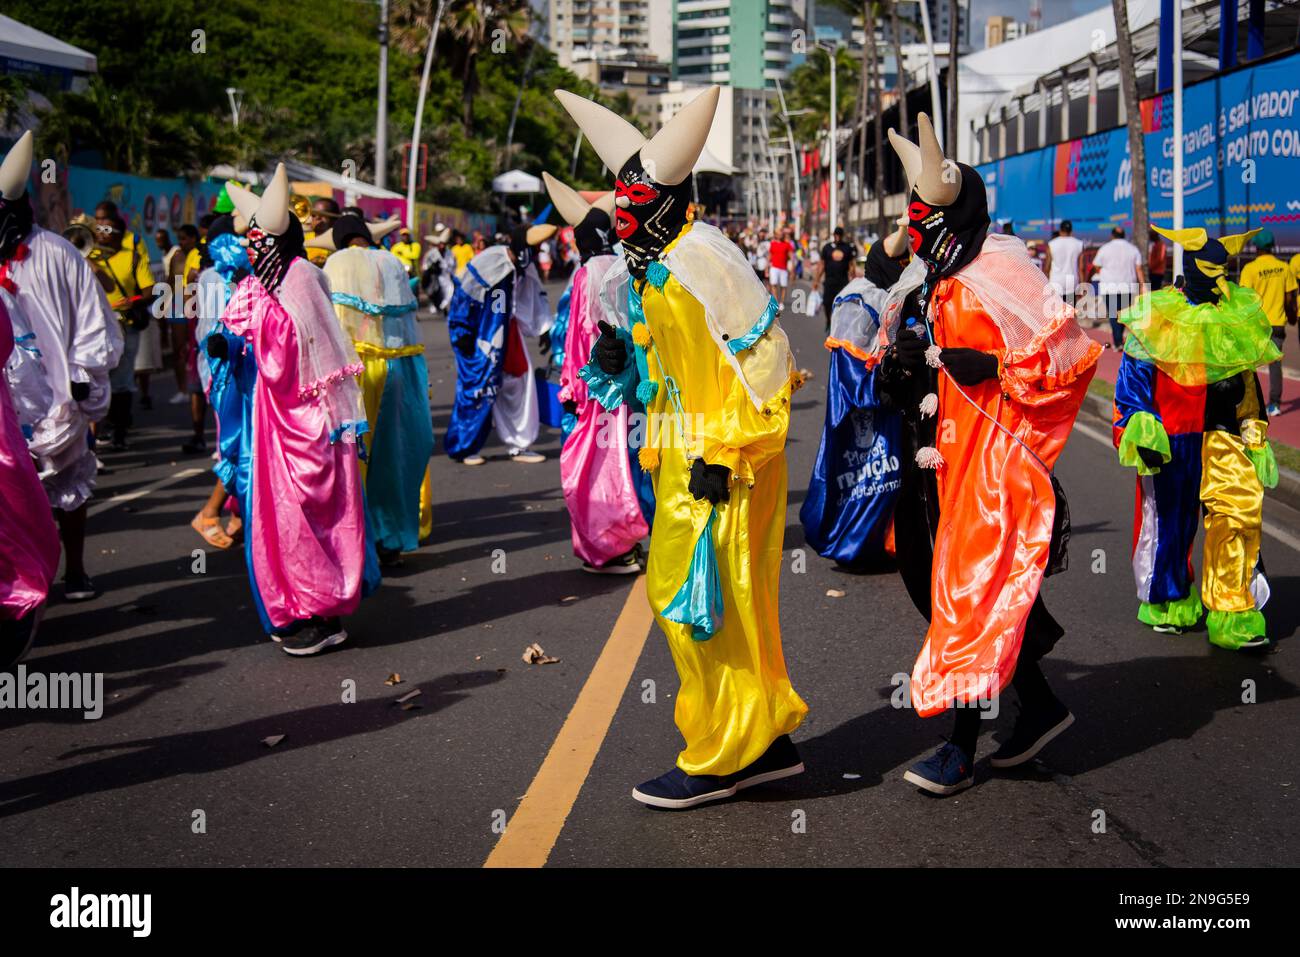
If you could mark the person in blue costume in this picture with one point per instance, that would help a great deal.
(374, 303)
(848, 515)
(498, 301)
(228, 373)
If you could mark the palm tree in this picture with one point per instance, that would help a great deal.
(1133, 112)
(894, 27)
(471, 27)
(809, 99)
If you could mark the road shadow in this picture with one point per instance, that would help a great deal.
(145, 760)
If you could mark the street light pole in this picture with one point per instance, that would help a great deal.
(419, 117)
(1178, 133)
(236, 97)
(835, 135)
(796, 213)
(936, 113)
(381, 116)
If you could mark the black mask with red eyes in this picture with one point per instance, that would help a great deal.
(594, 235)
(946, 238)
(271, 256)
(647, 215)
(15, 223)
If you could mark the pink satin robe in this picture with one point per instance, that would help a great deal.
(308, 521)
(597, 481)
(29, 542)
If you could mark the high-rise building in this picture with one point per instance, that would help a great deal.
(1001, 29)
(581, 30)
(746, 44)
(939, 13)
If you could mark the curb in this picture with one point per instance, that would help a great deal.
(1288, 480)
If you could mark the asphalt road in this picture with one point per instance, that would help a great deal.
(1183, 771)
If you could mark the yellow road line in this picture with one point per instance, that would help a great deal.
(533, 830)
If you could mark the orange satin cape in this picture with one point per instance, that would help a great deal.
(996, 503)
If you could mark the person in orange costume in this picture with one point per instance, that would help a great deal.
(990, 369)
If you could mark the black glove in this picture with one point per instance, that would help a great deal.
(609, 351)
(910, 348)
(80, 391)
(218, 347)
(709, 481)
(544, 342)
(1150, 458)
(570, 407)
(969, 366)
(465, 346)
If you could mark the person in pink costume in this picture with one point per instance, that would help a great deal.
(596, 471)
(311, 560)
(29, 541)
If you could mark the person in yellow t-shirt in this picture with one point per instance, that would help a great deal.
(462, 250)
(1275, 281)
(407, 251)
(128, 281)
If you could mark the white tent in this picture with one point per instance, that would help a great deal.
(28, 45)
(516, 181)
(708, 163)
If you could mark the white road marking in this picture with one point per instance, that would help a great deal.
(142, 491)
(1281, 534)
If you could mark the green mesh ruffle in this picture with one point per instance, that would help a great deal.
(1265, 463)
(1232, 629)
(1143, 431)
(1199, 345)
(1184, 613)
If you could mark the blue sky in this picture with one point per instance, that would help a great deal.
(1054, 11)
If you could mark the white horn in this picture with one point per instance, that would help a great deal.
(323, 240)
(910, 156)
(605, 203)
(940, 179)
(567, 202)
(245, 201)
(614, 139)
(379, 230)
(16, 167)
(273, 210)
(672, 152)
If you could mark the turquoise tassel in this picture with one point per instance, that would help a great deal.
(698, 603)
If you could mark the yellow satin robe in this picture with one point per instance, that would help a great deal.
(735, 697)
(373, 380)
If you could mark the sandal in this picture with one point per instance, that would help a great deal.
(235, 526)
(211, 530)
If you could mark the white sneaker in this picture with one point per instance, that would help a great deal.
(179, 398)
(473, 460)
(527, 456)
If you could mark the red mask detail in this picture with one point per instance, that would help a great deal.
(638, 193)
(918, 211)
(625, 224)
(914, 238)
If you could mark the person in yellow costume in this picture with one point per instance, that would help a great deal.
(700, 349)
(376, 307)
(1190, 417)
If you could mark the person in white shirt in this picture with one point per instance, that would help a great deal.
(1119, 271)
(1062, 266)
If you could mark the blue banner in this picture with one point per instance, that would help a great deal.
(1241, 143)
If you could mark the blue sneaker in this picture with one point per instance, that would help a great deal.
(677, 790)
(947, 771)
(780, 760)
